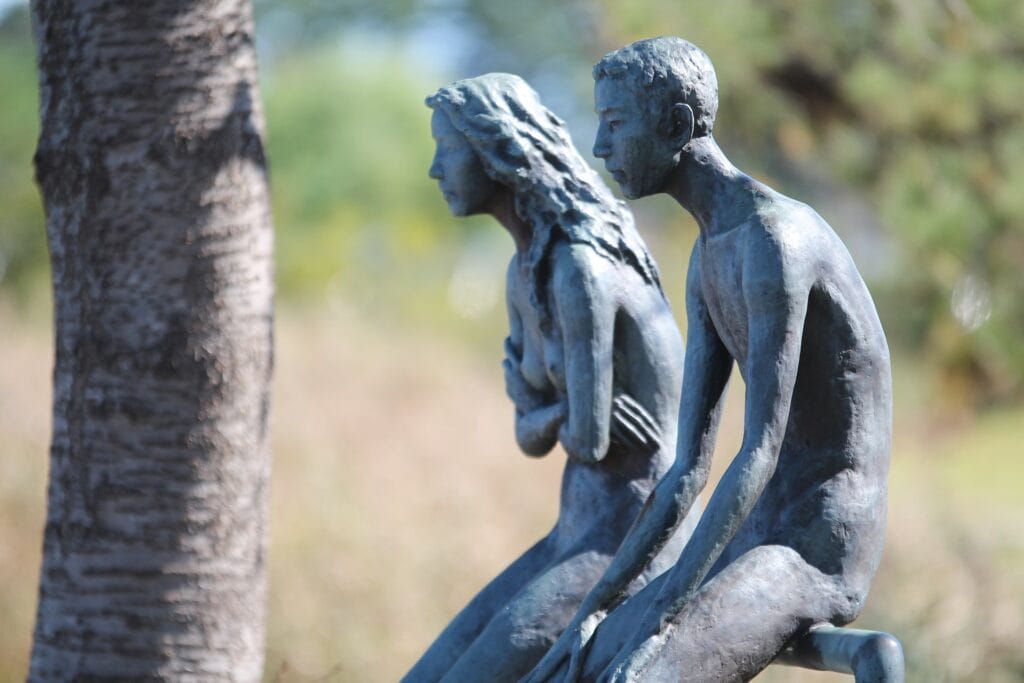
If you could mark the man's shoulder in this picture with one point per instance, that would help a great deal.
(788, 227)
(777, 213)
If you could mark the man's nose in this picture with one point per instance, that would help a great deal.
(435, 170)
(601, 148)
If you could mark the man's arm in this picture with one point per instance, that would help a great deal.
(705, 375)
(775, 295)
(706, 370)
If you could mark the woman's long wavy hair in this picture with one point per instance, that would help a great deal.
(526, 148)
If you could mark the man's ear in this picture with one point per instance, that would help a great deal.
(680, 125)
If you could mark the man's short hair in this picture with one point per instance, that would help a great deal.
(669, 69)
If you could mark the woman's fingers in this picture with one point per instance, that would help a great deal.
(628, 405)
(632, 425)
(626, 431)
(511, 351)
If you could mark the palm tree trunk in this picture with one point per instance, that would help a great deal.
(151, 167)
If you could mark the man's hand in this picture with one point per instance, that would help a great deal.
(631, 662)
(581, 644)
(571, 647)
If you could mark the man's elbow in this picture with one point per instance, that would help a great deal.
(758, 463)
(685, 479)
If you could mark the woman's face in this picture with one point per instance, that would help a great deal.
(465, 185)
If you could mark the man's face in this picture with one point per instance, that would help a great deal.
(635, 151)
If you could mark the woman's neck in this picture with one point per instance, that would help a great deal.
(503, 208)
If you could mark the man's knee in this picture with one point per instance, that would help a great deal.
(850, 602)
(871, 656)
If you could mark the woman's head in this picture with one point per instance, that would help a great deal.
(458, 171)
(522, 147)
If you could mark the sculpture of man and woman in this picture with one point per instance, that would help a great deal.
(792, 535)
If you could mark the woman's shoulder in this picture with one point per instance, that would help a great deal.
(568, 257)
(573, 266)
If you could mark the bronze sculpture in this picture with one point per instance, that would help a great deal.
(793, 533)
(593, 360)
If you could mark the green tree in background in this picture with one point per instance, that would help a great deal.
(902, 121)
(915, 105)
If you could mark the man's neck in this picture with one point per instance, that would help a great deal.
(717, 194)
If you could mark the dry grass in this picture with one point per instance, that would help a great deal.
(398, 492)
(26, 359)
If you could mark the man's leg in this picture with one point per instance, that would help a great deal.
(736, 623)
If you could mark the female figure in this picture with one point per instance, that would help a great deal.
(593, 360)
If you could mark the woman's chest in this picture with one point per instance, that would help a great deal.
(543, 356)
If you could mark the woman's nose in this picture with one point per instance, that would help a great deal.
(435, 170)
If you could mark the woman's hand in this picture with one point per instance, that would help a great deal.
(632, 426)
(525, 397)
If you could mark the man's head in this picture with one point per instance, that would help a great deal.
(652, 98)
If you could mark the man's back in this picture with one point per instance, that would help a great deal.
(793, 532)
(829, 483)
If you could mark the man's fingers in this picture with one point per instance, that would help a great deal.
(545, 668)
(579, 656)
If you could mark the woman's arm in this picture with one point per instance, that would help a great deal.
(537, 431)
(705, 375)
(585, 311)
(537, 418)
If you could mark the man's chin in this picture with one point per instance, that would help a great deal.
(630, 192)
(627, 190)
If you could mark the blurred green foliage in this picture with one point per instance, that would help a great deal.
(918, 108)
(349, 150)
(358, 221)
(22, 239)
(902, 122)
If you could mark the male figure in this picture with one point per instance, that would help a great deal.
(793, 533)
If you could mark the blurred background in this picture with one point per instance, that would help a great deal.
(397, 488)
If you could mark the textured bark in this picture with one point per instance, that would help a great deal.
(151, 167)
